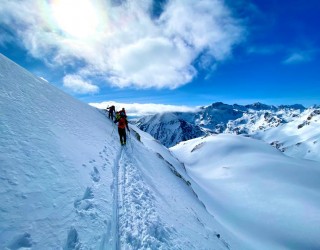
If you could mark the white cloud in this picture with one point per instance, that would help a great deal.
(128, 47)
(138, 109)
(78, 85)
(298, 57)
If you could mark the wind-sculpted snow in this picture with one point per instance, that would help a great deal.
(66, 183)
(268, 199)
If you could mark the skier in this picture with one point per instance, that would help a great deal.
(112, 110)
(122, 125)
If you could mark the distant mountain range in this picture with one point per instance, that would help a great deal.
(274, 124)
(171, 128)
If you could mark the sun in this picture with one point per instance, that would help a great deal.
(77, 18)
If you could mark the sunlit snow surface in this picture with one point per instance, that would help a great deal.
(66, 183)
(270, 200)
(299, 138)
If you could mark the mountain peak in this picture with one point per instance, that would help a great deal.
(260, 106)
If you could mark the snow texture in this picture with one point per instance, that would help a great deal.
(267, 199)
(66, 182)
(299, 138)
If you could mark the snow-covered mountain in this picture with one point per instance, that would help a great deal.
(254, 119)
(66, 183)
(268, 199)
(217, 118)
(299, 138)
(170, 128)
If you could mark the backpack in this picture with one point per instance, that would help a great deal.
(122, 122)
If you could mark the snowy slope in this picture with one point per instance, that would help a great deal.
(66, 183)
(56, 166)
(299, 138)
(268, 199)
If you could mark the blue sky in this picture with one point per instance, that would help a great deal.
(177, 52)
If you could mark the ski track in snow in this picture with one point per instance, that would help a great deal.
(134, 223)
(139, 225)
(116, 202)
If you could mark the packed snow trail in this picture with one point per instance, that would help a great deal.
(115, 185)
(146, 231)
(147, 214)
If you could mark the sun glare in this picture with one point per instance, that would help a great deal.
(77, 18)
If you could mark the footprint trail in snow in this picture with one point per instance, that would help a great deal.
(139, 225)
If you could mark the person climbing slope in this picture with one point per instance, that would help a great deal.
(112, 110)
(122, 125)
